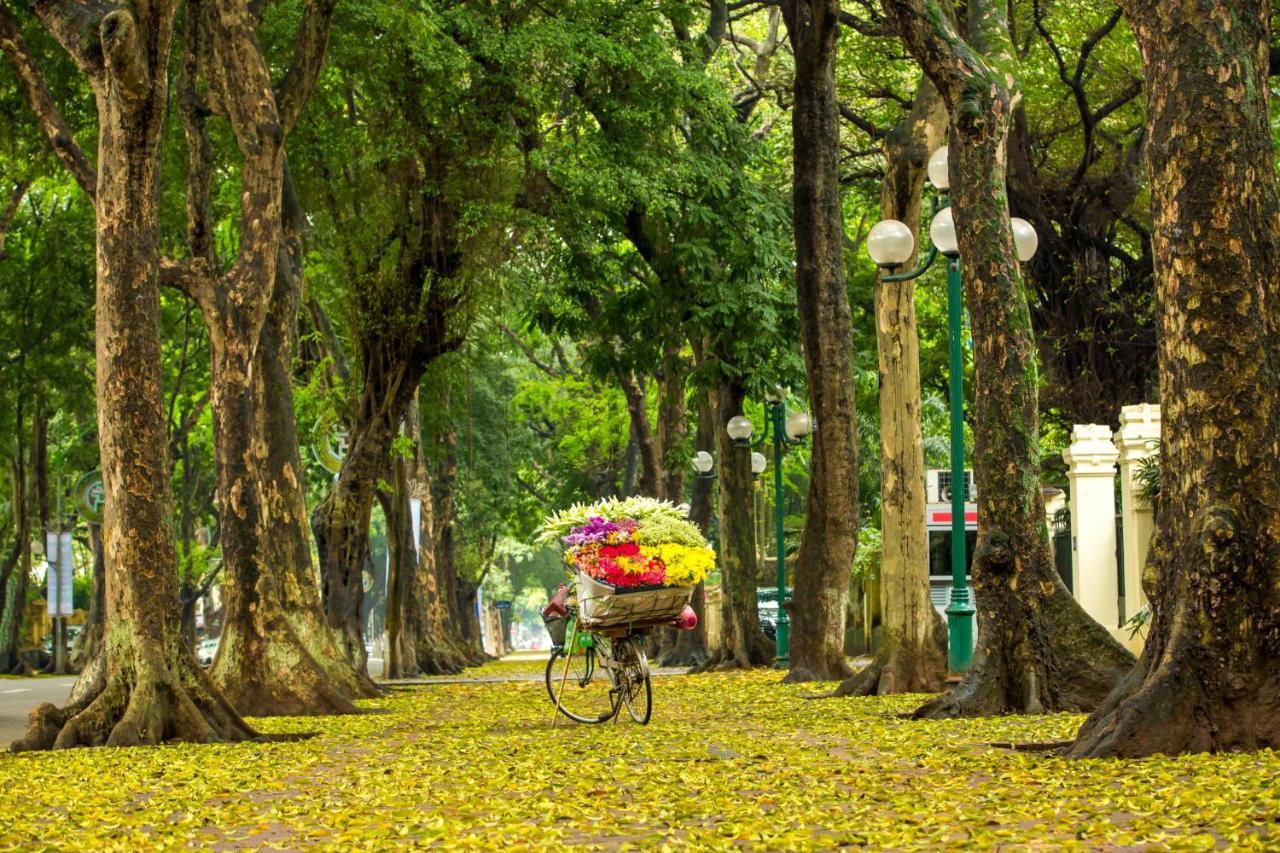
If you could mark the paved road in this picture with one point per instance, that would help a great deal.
(19, 695)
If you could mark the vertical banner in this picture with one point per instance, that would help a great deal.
(58, 589)
(415, 514)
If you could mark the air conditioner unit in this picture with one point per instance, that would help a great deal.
(938, 486)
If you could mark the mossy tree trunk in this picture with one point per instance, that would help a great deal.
(1209, 676)
(276, 655)
(912, 657)
(153, 689)
(825, 561)
(408, 308)
(1037, 650)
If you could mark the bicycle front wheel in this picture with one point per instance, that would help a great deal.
(579, 688)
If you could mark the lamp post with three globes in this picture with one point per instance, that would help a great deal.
(891, 244)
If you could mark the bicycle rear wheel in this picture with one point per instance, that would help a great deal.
(587, 695)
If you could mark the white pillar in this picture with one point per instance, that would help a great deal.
(1091, 461)
(1139, 433)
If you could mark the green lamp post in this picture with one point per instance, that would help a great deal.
(891, 244)
(785, 430)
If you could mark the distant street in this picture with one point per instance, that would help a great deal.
(19, 695)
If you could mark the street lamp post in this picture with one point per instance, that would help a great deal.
(891, 244)
(785, 430)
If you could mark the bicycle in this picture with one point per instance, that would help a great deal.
(602, 670)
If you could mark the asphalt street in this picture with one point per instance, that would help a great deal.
(19, 695)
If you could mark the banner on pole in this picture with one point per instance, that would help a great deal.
(58, 588)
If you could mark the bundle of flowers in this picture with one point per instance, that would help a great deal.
(638, 542)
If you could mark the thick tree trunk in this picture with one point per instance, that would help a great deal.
(825, 562)
(276, 656)
(912, 657)
(153, 689)
(1209, 677)
(742, 643)
(1037, 650)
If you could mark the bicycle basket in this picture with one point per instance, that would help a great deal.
(603, 606)
(556, 628)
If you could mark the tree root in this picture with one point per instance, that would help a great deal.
(285, 669)
(146, 704)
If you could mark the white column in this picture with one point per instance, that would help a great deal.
(1091, 461)
(1139, 433)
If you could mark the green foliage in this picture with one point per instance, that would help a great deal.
(866, 563)
(645, 510)
(1147, 477)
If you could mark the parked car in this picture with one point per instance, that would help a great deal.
(767, 611)
(73, 631)
(206, 651)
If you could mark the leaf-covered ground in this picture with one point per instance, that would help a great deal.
(730, 761)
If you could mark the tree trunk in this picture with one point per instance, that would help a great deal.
(406, 609)
(16, 571)
(153, 689)
(825, 562)
(912, 657)
(436, 652)
(743, 643)
(1037, 650)
(1209, 677)
(650, 455)
(446, 569)
(276, 655)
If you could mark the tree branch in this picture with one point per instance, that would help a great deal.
(47, 114)
(295, 88)
(193, 277)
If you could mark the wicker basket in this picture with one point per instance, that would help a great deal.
(603, 606)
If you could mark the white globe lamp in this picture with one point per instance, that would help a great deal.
(1025, 239)
(890, 243)
(739, 428)
(938, 167)
(942, 231)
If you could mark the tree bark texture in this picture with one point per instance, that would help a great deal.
(1037, 650)
(742, 643)
(912, 657)
(276, 655)
(825, 561)
(153, 689)
(1209, 676)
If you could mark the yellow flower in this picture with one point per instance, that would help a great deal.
(686, 566)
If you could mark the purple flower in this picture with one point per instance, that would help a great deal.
(595, 530)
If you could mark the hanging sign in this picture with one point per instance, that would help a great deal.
(91, 497)
(334, 440)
